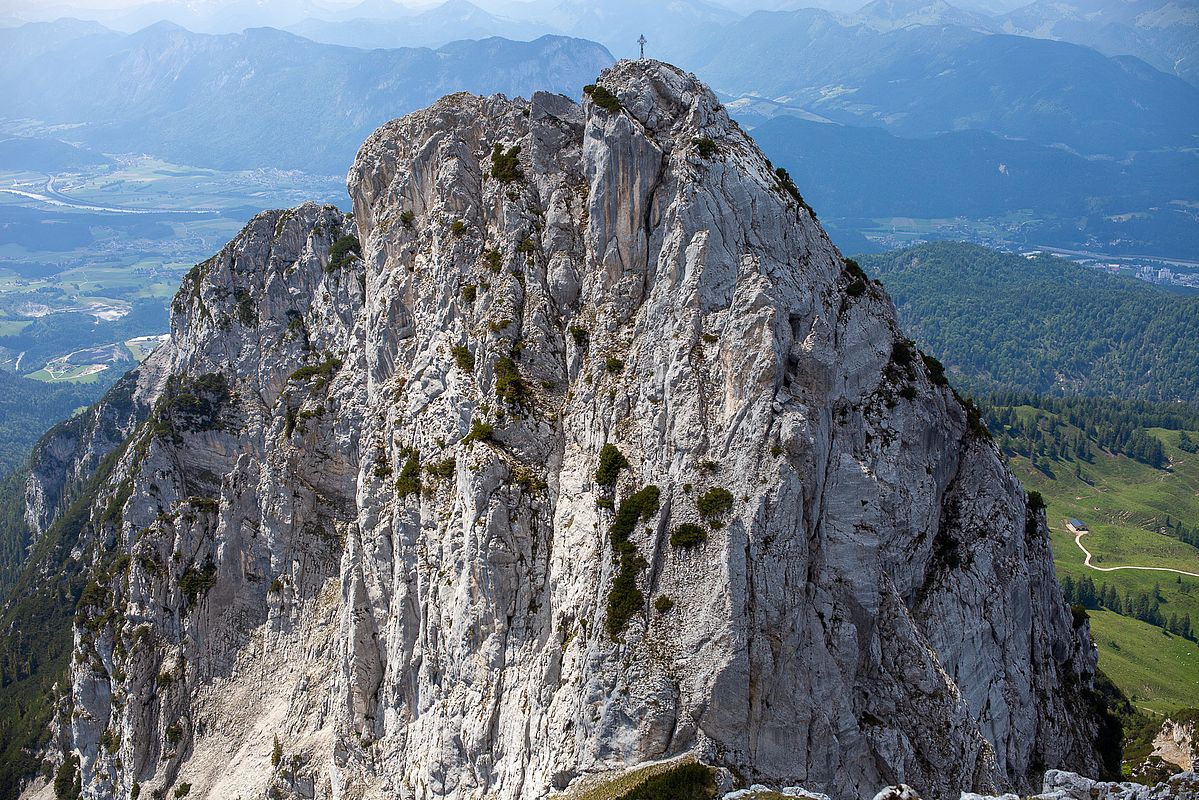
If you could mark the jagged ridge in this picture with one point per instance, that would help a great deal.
(369, 553)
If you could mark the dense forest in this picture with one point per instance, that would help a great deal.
(29, 408)
(1112, 425)
(1043, 324)
(37, 607)
(35, 639)
(14, 534)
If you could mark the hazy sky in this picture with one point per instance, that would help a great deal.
(15, 6)
(49, 9)
(12, 6)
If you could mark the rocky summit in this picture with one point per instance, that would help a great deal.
(577, 447)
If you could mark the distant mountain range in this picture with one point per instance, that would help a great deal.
(1164, 33)
(382, 24)
(889, 15)
(913, 67)
(936, 114)
(854, 176)
(259, 98)
(929, 79)
(183, 94)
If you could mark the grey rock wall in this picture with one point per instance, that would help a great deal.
(368, 555)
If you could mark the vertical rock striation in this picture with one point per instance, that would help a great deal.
(361, 546)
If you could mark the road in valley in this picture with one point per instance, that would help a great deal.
(57, 198)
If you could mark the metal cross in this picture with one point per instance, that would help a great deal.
(641, 42)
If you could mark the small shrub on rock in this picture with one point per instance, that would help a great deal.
(408, 481)
(505, 167)
(494, 260)
(442, 469)
(705, 145)
(463, 358)
(714, 504)
(479, 432)
(611, 462)
(624, 598)
(195, 582)
(342, 252)
(603, 98)
(936, 370)
(902, 353)
(688, 535)
(510, 387)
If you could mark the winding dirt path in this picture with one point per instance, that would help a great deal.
(1078, 541)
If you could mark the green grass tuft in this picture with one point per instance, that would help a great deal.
(714, 504)
(688, 535)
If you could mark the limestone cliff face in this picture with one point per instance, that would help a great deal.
(1177, 743)
(360, 547)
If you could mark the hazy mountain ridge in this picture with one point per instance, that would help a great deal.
(915, 69)
(455, 20)
(925, 80)
(1163, 33)
(227, 100)
(886, 15)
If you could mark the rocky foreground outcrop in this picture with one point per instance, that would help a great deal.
(1177, 742)
(593, 452)
(1059, 785)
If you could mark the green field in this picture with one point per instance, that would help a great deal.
(142, 346)
(1125, 503)
(1157, 671)
(81, 374)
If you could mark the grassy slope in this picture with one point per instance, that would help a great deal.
(1121, 504)
(1157, 671)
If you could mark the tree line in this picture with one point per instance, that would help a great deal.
(1144, 606)
(1069, 428)
(1183, 533)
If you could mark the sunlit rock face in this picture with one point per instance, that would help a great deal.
(369, 554)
